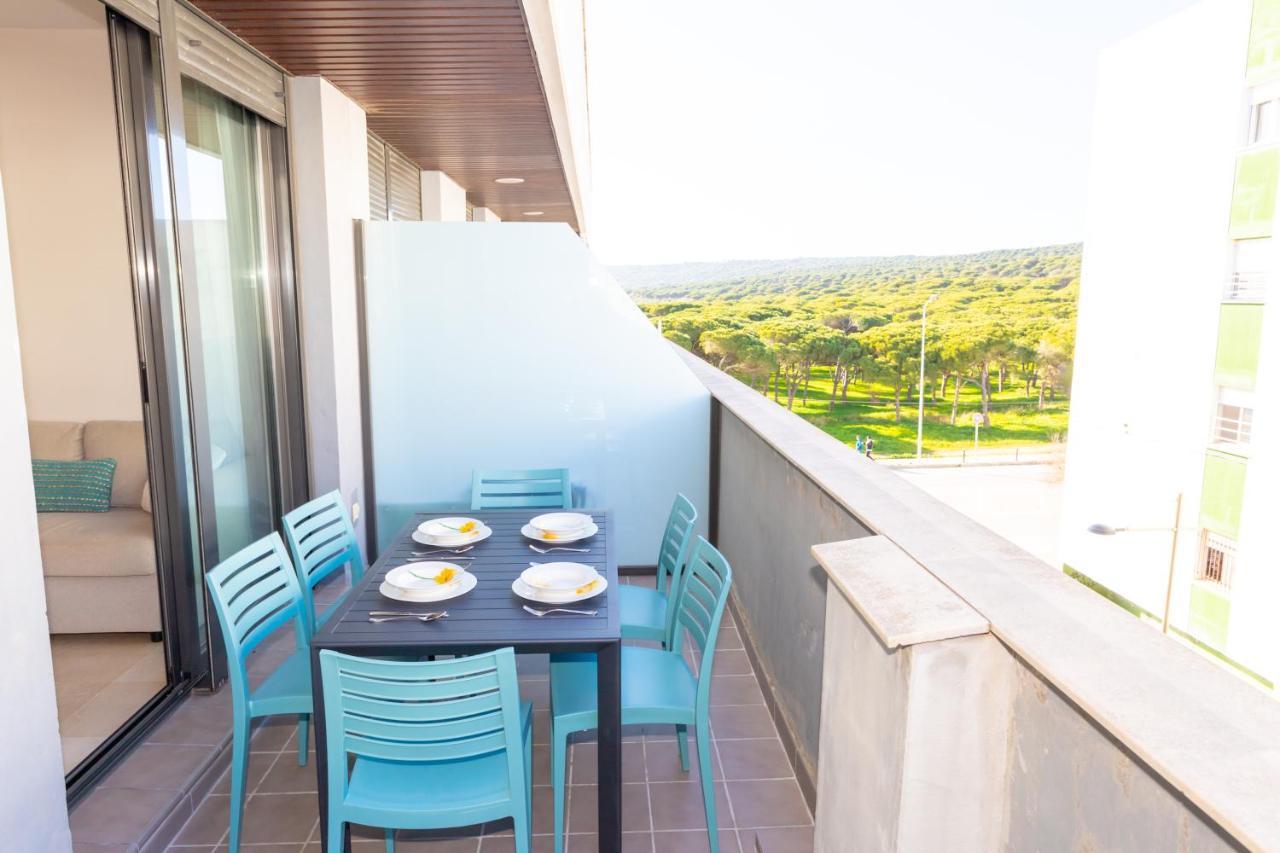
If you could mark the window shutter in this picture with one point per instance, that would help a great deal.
(404, 187)
(377, 178)
(213, 56)
(145, 13)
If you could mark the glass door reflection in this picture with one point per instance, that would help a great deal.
(232, 283)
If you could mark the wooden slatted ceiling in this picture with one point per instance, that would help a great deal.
(451, 83)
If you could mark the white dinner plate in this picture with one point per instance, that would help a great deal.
(444, 530)
(420, 577)
(538, 596)
(467, 584)
(558, 577)
(556, 539)
(566, 523)
(423, 539)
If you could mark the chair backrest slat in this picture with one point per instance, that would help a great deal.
(702, 593)
(676, 538)
(322, 541)
(535, 487)
(254, 592)
(408, 751)
(445, 709)
(421, 711)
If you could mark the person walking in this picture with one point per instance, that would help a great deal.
(858, 445)
(871, 444)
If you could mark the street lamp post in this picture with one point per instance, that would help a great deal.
(924, 316)
(1108, 530)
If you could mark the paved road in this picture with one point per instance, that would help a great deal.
(1022, 503)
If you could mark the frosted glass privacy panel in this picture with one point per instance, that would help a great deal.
(506, 345)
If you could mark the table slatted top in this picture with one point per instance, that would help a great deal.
(489, 616)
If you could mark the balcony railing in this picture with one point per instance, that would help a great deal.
(1245, 287)
(1064, 722)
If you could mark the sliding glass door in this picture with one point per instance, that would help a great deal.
(232, 282)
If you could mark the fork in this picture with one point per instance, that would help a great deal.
(392, 615)
(427, 558)
(528, 609)
(461, 550)
(560, 548)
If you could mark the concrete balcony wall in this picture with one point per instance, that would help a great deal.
(770, 513)
(1115, 737)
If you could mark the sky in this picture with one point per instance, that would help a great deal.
(732, 129)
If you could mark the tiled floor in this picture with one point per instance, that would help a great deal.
(101, 680)
(759, 799)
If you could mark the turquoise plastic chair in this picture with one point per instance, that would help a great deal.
(322, 541)
(535, 487)
(658, 687)
(435, 745)
(644, 611)
(254, 592)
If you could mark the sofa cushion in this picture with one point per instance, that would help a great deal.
(97, 544)
(56, 439)
(124, 442)
(79, 485)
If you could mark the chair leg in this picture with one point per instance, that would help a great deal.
(337, 842)
(239, 779)
(559, 755)
(391, 840)
(304, 721)
(708, 785)
(528, 780)
(682, 746)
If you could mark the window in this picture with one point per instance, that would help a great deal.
(1217, 559)
(1251, 262)
(1233, 423)
(1264, 124)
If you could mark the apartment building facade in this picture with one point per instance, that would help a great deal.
(1174, 435)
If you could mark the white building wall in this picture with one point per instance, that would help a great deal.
(330, 192)
(443, 200)
(59, 147)
(1253, 633)
(33, 808)
(1167, 128)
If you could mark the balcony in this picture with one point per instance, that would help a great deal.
(1245, 287)
(894, 675)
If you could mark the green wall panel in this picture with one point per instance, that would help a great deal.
(1210, 613)
(1253, 200)
(1222, 494)
(1239, 340)
(1264, 42)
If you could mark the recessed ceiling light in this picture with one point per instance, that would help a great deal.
(533, 213)
(508, 180)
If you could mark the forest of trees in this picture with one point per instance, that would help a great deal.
(996, 318)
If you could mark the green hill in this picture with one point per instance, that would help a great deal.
(996, 319)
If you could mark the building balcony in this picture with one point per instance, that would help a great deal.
(893, 676)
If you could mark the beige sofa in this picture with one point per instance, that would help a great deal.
(100, 567)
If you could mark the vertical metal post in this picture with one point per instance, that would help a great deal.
(1173, 562)
(924, 316)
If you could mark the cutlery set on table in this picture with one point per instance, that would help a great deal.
(437, 573)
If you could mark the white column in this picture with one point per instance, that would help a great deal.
(484, 214)
(442, 199)
(331, 191)
(33, 810)
(915, 710)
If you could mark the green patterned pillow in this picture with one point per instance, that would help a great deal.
(83, 485)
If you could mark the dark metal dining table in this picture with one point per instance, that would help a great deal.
(488, 617)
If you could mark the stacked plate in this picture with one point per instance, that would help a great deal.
(560, 527)
(427, 581)
(559, 583)
(451, 532)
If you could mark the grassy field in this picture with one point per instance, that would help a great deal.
(1015, 420)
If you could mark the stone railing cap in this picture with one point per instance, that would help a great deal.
(901, 601)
